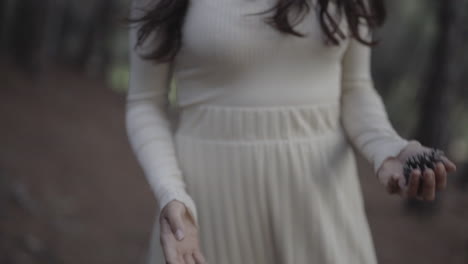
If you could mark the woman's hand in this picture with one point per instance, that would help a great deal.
(421, 185)
(179, 235)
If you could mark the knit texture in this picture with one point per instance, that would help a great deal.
(233, 61)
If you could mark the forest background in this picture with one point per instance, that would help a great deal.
(72, 192)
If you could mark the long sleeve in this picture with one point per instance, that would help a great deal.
(149, 128)
(363, 113)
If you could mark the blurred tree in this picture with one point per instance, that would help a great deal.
(6, 7)
(53, 40)
(3, 4)
(27, 26)
(444, 81)
(82, 33)
(407, 21)
(96, 35)
(75, 33)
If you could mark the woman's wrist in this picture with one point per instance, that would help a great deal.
(182, 196)
(388, 150)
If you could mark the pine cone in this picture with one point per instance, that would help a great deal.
(422, 161)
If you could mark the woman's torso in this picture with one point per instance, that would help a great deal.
(229, 58)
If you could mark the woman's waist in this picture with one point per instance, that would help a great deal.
(250, 123)
(256, 95)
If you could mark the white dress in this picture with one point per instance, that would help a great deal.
(259, 148)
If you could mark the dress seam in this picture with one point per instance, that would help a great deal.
(335, 133)
(270, 107)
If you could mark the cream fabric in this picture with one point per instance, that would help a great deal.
(267, 114)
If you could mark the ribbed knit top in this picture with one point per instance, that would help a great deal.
(231, 58)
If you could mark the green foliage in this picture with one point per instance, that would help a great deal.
(119, 77)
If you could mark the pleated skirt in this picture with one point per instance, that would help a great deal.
(276, 185)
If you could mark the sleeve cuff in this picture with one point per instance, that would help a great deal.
(181, 196)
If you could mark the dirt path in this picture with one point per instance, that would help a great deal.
(71, 191)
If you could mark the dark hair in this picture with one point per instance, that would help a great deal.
(166, 18)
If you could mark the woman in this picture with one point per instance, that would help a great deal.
(257, 165)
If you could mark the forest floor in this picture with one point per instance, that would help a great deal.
(71, 191)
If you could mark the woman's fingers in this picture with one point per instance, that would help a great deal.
(188, 258)
(179, 251)
(440, 176)
(429, 185)
(423, 185)
(403, 187)
(176, 222)
(168, 243)
(392, 185)
(414, 183)
(449, 166)
(199, 258)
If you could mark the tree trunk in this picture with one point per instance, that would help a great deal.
(443, 82)
(7, 13)
(94, 49)
(27, 28)
(104, 46)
